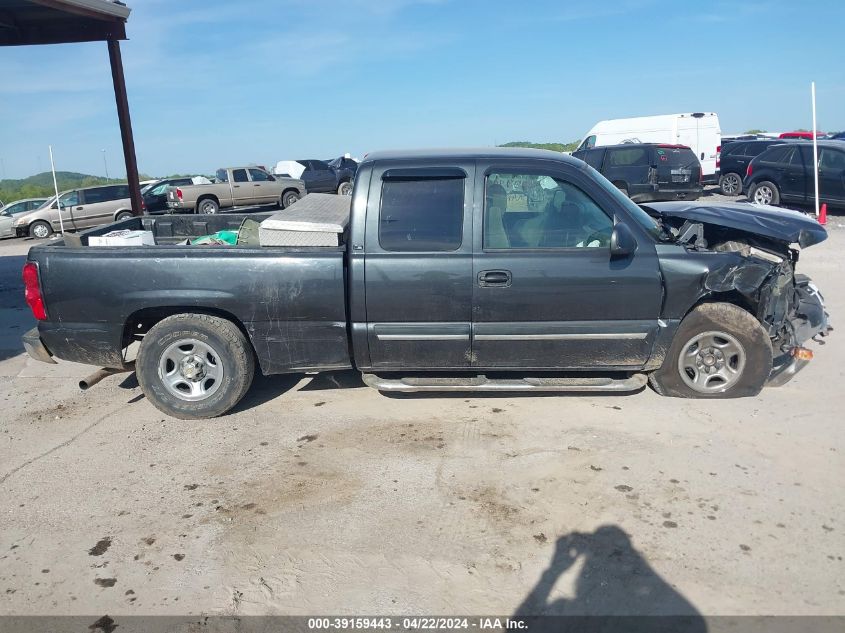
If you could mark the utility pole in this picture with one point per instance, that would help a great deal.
(105, 164)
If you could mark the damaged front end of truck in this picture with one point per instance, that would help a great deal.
(747, 254)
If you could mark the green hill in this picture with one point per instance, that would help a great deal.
(555, 147)
(41, 185)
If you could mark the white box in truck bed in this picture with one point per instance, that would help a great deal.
(318, 219)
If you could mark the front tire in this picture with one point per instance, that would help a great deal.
(344, 189)
(208, 206)
(195, 366)
(719, 351)
(764, 192)
(40, 230)
(288, 198)
(730, 184)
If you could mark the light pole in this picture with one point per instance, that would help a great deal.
(105, 164)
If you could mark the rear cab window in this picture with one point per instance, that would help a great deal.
(421, 211)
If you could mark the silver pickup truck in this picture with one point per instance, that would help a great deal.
(236, 187)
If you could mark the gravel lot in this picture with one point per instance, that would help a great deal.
(322, 496)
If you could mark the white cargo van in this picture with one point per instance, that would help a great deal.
(699, 131)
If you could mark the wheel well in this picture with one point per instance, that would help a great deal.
(207, 196)
(291, 189)
(142, 321)
(732, 296)
(119, 211)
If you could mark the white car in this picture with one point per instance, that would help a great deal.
(10, 212)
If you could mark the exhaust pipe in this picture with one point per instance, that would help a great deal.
(89, 381)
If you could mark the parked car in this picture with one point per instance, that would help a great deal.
(839, 136)
(646, 171)
(807, 136)
(734, 161)
(154, 194)
(10, 212)
(80, 209)
(457, 266)
(699, 131)
(235, 187)
(318, 176)
(784, 173)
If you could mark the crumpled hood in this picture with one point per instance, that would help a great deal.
(772, 222)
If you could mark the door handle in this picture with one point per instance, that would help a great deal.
(495, 278)
(79, 208)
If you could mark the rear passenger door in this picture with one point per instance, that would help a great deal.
(96, 207)
(628, 169)
(832, 174)
(322, 177)
(241, 187)
(418, 266)
(548, 295)
(795, 174)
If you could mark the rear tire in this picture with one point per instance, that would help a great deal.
(208, 206)
(730, 184)
(123, 215)
(288, 198)
(344, 189)
(195, 366)
(740, 341)
(764, 192)
(40, 230)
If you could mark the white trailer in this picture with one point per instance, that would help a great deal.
(699, 131)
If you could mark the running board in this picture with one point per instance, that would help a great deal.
(482, 383)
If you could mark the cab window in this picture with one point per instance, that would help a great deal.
(422, 215)
(531, 210)
(69, 199)
(259, 176)
(239, 175)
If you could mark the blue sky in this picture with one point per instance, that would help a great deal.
(221, 82)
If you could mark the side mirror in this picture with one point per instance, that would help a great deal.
(622, 241)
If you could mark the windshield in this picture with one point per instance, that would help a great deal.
(641, 217)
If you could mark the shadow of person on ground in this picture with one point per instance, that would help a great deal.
(615, 589)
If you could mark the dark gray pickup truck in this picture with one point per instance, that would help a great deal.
(509, 270)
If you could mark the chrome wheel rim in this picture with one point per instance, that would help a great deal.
(711, 362)
(39, 230)
(346, 189)
(191, 370)
(290, 199)
(730, 185)
(208, 208)
(763, 195)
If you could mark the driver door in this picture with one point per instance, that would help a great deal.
(546, 293)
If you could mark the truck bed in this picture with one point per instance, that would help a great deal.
(289, 300)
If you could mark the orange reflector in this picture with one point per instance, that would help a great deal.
(802, 353)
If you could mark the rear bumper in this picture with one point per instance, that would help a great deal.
(91, 344)
(656, 193)
(35, 347)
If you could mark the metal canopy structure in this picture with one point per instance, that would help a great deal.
(28, 22)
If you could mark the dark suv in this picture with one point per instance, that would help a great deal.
(734, 161)
(784, 173)
(646, 171)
